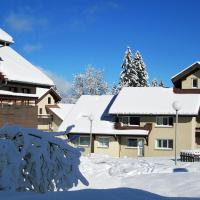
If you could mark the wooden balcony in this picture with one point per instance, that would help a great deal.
(119, 126)
(44, 119)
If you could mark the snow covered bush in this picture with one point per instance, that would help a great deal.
(32, 160)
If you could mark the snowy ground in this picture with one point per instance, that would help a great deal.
(128, 178)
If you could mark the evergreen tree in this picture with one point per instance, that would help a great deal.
(128, 77)
(141, 70)
(161, 84)
(115, 89)
(154, 83)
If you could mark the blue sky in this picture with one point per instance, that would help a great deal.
(65, 36)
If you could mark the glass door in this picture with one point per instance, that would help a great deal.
(140, 147)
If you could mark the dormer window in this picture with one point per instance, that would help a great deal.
(194, 83)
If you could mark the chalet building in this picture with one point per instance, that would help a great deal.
(25, 91)
(139, 121)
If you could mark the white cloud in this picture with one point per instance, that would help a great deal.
(90, 14)
(62, 85)
(24, 22)
(29, 48)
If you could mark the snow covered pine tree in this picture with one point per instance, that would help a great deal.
(141, 70)
(31, 160)
(128, 76)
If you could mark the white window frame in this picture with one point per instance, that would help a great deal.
(129, 121)
(196, 79)
(101, 146)
(79, 141)
(164, 148)
(162, 125)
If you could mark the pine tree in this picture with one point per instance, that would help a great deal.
(161, 84)
(115, 89)
(129, 77)
(154, 83)
(141, 70)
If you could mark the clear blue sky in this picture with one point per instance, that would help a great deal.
(65, 36)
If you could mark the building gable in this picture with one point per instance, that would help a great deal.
(189, 78)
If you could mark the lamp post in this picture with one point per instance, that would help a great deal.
(91, 119)
(176, 106)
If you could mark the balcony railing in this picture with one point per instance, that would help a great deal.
(45, 119)
(119, 126)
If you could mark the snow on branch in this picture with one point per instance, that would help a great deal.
(33, 160)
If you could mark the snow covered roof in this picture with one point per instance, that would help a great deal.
(152, 101)
(17, 69)
(41, 92)
(186, 71)
(5, 37)
(98, 107)
(62, 110)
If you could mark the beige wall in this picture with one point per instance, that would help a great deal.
(45, 122)
(43, 102)
(112, 150)
(56, 122)
(185, 136)
(187, 82)
(185, 139)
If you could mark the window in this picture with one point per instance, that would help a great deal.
(164, 121)
(132, 142)
(26, 90)
(195, 83)
(84, 141)
(130, 120)
(40, 111)
(49, 100)
(103, 142)
(13, 89)
(164, 144)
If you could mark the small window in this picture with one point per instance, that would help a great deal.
(134, 121)
(195, 83)
(26, 90)
(132, 142)
(84, 141)
(103, 142)
(130, 120)
(125, 120)
(164, 144)
(49, 100)
(13, 89)
(164, 121)
(40, 111)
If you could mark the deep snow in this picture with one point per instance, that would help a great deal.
(128, 178)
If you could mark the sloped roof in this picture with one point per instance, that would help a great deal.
(62, 110)
(98, 107)
(153, 101)
(187, 71)
(17, 69)
(41, 92)
(5, 37)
